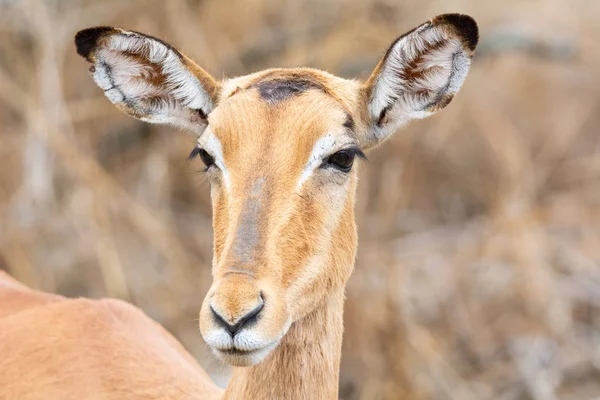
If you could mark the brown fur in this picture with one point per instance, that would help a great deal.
(284, 243)
(57, 348)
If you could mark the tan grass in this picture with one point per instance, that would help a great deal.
(478, 274)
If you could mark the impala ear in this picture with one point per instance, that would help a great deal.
(420, 73)
(147, 78)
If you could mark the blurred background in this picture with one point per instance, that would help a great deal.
(478, 274)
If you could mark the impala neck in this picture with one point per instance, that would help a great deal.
(304, 366)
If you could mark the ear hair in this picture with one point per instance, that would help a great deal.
(148, 78)
(420, 73)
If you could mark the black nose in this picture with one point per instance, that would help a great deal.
(245, 320)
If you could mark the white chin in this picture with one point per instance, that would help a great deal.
(240, 358)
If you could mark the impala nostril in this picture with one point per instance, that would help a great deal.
(246, 320)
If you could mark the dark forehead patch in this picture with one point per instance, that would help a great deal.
(276, 90)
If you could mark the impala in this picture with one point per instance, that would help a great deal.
(280, 149)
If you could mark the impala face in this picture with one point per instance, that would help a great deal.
(280, 161)
(281, 150)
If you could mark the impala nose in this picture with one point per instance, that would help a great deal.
(234, 326)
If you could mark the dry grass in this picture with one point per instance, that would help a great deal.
(479, 263)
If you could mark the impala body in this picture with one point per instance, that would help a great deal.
(280, 149)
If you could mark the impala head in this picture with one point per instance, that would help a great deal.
(280, 149)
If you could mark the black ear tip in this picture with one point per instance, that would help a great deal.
(86, 40)
(465, 26)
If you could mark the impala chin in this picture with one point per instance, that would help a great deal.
(244, 349)
(244, 358)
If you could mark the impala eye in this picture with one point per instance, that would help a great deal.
(206, 158)
(342, 160)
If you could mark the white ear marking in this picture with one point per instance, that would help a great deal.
(421, 72)
(147, 78)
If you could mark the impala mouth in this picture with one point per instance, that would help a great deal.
(237, 352)
(244, 357)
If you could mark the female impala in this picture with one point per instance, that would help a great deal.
(279, 148)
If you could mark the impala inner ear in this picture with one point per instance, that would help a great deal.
(148, 78)
(420, 73)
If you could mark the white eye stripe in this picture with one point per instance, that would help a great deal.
(212, 145)
(323, 147)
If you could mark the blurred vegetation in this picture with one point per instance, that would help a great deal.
(478, 274)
